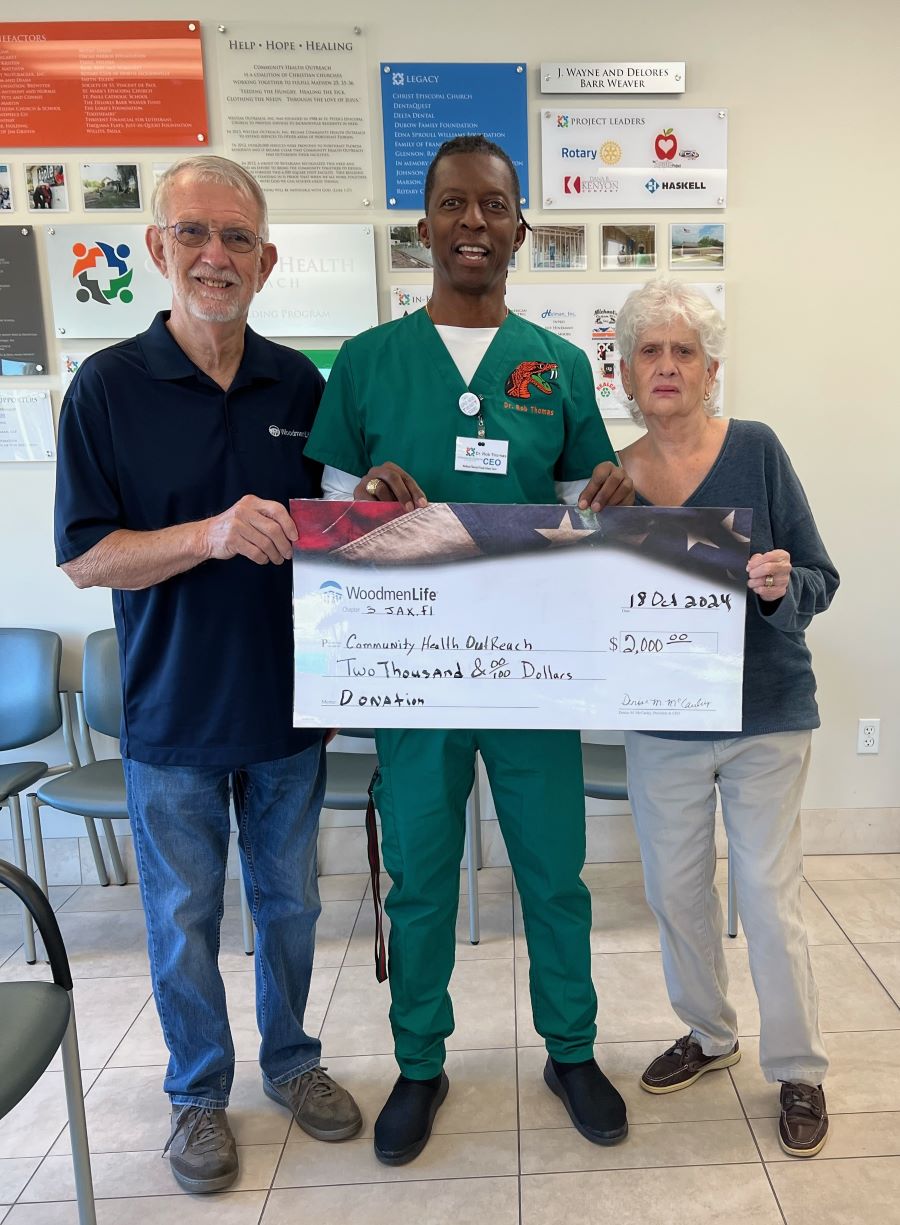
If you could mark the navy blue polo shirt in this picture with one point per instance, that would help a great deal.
(146, 440)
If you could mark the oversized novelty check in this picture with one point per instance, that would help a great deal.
(466, 615)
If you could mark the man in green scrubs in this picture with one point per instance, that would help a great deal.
(403, 405)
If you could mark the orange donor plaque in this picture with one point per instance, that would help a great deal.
(101, 83)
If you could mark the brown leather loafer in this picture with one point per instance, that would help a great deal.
(682, 1064)
(803, 1126)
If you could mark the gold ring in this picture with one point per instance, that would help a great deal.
(770, 582)
(372, 486)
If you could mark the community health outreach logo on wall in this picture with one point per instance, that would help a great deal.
(102, 280)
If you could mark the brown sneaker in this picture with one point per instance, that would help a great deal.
(324, 1109)
(803, 1126)
(201, 1148)
(682, 1064)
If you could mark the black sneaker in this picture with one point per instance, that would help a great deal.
(682, 1064)
(595, 1106)
(201, 1148)
(803, 1126)
(322, 1107)
(404, 1126)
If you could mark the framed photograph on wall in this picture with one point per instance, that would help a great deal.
(696, 244)
(7, 204)
(111, 186)
(46, 187)
(558, 248)
(408, 253)
(625, 247)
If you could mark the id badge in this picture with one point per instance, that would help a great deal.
(488, 455)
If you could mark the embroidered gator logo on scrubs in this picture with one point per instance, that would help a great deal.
(530, 374)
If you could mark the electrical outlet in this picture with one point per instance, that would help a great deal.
(867, 735)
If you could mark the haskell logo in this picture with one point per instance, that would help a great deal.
(652, 186)
(102, 273)
(332, 592)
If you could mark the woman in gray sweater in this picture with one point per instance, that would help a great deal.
(670, 340)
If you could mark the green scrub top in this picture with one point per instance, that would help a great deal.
(393, 395)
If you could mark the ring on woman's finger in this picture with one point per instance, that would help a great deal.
(770, 581)
(372, 486)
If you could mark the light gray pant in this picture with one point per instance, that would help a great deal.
(671, 785)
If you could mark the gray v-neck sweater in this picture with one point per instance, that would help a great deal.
(753, 469)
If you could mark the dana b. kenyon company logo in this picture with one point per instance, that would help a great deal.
(102, 273)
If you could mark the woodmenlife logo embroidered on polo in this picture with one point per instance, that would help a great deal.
(278, 432)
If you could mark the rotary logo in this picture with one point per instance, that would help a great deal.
(611, 152)
(102, 273)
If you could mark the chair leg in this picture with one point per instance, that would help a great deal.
(93, 838)
(476, 798)
(37, 853)
(732, 900)
(81, 1157)
(118, 868)
(246, 919)
(473, 819)
(18, 837)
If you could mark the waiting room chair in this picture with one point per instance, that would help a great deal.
(606, 778)
(94, 790)
(347, 790)
(31, 709)
(36, 1020)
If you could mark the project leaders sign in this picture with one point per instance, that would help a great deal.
(664, 158)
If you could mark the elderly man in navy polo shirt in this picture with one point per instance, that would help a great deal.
(178, 452)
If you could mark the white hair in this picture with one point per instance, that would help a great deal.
(659, 303)
(209, 168)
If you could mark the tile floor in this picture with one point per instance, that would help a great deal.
(502, 1151)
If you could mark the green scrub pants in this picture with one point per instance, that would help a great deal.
(537, 784)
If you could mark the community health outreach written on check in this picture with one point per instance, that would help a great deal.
(470, 615)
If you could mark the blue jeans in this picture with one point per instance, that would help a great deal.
(180, 821)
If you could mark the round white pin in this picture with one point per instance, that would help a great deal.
(469, 403)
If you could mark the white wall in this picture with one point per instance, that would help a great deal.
(811, 89)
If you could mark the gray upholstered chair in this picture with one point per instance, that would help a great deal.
(606, 778)
(31, 709)
(347, 790)
(94, 789)
(36, 1020)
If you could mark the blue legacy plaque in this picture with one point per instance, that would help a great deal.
(422, 105)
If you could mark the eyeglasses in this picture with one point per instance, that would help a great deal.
(196, 234)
